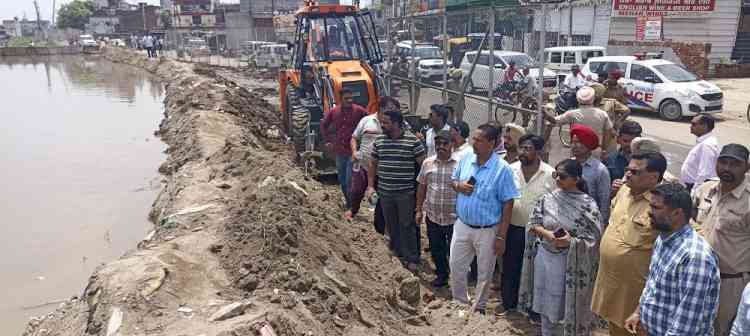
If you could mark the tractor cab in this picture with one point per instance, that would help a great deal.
(335, 47)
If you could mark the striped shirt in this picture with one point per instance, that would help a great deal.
(494, 186)
(440, 201)
(682, 291)
(397, 161)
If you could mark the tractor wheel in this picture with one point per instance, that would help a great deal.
(299, 118)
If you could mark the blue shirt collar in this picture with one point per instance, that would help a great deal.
(491, 161)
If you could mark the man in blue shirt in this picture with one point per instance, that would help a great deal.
(681, 296)
(486, 190)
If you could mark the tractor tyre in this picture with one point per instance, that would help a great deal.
(299, 118)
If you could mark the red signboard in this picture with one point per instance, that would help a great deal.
(662, 7)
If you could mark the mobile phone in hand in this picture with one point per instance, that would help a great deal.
(560, 233)
(472, 181)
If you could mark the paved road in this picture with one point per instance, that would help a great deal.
(674, 137)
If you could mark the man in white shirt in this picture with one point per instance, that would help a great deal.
(533, 179)
(574, 80)
(700, 163)
(461, 146)
(438, 122)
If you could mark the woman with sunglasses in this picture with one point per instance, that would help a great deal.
(562, 254)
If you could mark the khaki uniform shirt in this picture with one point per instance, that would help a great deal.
(724, 220)
(617, 113)
(624, 257)
(616, 92)
(592, 117)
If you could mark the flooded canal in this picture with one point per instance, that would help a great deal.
(79, 162)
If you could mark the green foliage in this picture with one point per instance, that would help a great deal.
(75, 14)
(19, 42)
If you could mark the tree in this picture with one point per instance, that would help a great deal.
(75, 14)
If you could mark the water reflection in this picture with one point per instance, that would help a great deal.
(91, 73)
(79, 164)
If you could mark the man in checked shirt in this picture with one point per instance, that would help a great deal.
(436, 195)
(681, 296)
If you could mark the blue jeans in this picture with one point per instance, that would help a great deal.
(344, 171)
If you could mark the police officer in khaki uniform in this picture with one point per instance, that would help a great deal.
(722, 215)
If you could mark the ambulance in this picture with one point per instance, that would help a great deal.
(660, 86)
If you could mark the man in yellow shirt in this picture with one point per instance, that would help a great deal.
(625, 250)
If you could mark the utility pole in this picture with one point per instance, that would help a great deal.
(540, 75)
(39, 21)
(54, 7)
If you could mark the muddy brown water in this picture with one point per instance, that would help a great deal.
(79, 166)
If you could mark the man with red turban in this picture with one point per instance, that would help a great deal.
(614, 89)
(583, 141)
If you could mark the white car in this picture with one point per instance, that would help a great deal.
(661, 86)
(430, 64)
(87, 41)
(480, 79)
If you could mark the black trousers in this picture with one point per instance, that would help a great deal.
(439, 237)
(398, 211)
(379, 220)
(512, 263)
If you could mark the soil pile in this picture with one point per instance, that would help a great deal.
(244, 244)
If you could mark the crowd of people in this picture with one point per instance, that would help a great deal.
(606, 236)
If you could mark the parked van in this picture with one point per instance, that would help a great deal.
(561, 59)
(480, 79)
(272, 56)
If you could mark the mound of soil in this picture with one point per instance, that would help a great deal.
(245, 244)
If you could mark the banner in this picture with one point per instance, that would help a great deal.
(662, 7)
(648, 28)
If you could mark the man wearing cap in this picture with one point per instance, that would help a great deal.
(617, 112)
(588, 115)
(435, 195)
(511, 134)
(723, 217)
(595, 174)
(613, 88)
(626, 246)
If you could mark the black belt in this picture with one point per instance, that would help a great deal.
(480, 226)
(732, 276)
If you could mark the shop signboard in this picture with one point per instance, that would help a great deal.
(636, 8)
(648, 28)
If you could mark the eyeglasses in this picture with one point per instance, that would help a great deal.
(560, 176)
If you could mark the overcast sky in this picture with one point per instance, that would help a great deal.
(11, 8)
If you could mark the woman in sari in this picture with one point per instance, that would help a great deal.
(561, 256)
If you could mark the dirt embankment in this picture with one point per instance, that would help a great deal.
(244, 244)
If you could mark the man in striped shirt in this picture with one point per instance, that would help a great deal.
(395, 157)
